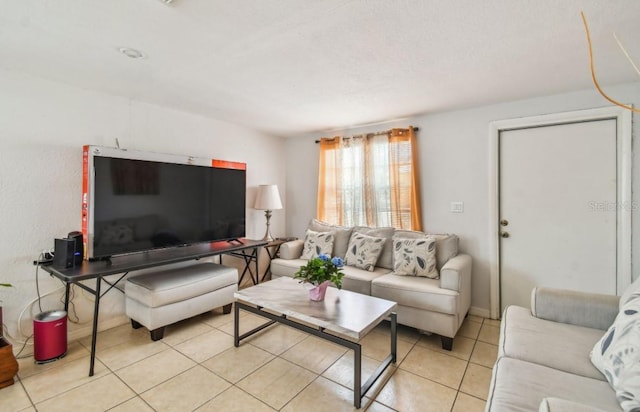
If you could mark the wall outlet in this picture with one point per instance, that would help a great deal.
(457, 207)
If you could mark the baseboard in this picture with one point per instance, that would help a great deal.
(482, 312)
(86, 330)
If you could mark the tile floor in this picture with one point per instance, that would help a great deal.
(196, 368)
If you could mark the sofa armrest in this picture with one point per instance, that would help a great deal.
(592, 310)
(291, 250)
(456, 273)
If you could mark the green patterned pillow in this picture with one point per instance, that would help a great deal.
(363, 251)
(317, 243)
(617, 355)
(415, 257)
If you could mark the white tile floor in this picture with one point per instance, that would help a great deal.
(196, 368)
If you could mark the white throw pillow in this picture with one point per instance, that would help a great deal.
(617, 355)
(363, 251)
(415, 257)
(317, 243)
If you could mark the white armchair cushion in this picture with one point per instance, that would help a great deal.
(617, 355)
(415, 257)
(317, 243)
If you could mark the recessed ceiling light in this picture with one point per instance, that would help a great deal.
(132, 53)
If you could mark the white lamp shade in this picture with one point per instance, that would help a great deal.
(268, 198)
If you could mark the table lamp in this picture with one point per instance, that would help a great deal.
(268, 199)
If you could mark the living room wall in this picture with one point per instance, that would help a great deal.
(454, 166)
(43, 126)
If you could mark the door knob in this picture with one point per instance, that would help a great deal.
(504, 222)
(504, 234)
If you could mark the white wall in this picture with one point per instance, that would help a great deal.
(43, 126)
(454, 166)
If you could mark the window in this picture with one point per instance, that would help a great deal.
(370, 180)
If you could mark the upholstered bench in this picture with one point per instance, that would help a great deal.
(159, 298)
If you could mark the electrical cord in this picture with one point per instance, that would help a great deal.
(40, 257)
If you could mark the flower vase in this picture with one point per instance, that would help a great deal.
(317, 292)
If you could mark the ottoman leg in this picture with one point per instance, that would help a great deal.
(226, 309)
(447, 343)
(157, 334)
(135, 324)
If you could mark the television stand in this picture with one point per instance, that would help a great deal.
(236, 240)
(122, 265)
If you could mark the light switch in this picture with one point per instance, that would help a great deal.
(457, 207)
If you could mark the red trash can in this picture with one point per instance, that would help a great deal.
(50, 336)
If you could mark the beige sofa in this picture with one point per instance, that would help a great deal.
(432, 305)
(544, 358)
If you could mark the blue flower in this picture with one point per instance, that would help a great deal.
(323, 257)
(337, 261)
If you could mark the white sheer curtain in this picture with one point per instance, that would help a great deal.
(369, 181)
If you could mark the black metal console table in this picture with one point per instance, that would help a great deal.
(122, 265)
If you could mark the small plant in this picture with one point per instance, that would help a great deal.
(321, 269)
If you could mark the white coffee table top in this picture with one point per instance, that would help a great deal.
(343, 312)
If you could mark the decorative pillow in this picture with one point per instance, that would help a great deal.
(617, 355)
(385, 260)
(342, 235)
(363, 251)
(317, 243)
(116, 235)
(415, 257)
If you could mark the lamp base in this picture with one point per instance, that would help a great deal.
(267, 235)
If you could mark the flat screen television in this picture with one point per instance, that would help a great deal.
(137, 201)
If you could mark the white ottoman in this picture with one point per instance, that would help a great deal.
(160, 298)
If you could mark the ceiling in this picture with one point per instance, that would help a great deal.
(294, 67)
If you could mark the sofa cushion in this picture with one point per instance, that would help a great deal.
(617, 355)
(355, 280)
(359, 280)
(363, 251)
(563, 405)
(317, 243)
(342, 235)
(386, 257)
(415, 257)
(558, 345)
(446, 244)
(416, 292)
(517, 385)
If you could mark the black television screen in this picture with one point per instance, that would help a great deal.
(139, 205)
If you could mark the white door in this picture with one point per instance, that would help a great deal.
(558, 206)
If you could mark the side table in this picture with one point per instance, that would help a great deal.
(273, 251)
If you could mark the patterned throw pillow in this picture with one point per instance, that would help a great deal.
(617, 355)
(363, 251)
(415, 257)
(317, 243)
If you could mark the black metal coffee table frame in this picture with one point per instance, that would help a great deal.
(359, 391)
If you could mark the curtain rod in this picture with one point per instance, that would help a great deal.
(417, 129)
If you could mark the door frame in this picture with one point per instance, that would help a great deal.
(623, 186)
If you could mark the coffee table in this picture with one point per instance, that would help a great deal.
(344, 318)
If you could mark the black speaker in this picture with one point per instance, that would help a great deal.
(63, 253)
(78, 252)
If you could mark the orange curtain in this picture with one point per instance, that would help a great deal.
(329, 195)
(370, 180)
(404, 176)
